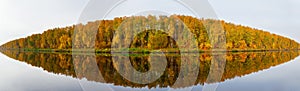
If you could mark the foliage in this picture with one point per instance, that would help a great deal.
(100, 34)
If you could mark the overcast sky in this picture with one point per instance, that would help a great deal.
(21, 18)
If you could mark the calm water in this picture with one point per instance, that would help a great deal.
(257, 71)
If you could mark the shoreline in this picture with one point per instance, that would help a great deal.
(144, 51)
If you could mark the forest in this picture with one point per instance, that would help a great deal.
(154, 32)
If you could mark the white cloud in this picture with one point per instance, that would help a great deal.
(276, 16)
(21, 18)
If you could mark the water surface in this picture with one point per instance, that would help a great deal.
(248, 71)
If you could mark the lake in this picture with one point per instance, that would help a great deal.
(239, 71)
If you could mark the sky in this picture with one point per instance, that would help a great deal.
(21, 18)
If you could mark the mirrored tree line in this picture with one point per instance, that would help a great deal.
(237, 65)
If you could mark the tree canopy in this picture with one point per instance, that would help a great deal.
(206, 32)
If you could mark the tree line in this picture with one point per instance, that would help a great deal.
(159, 32)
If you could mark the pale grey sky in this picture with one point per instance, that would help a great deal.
(21, 18)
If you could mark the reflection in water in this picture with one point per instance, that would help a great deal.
(237, 65)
